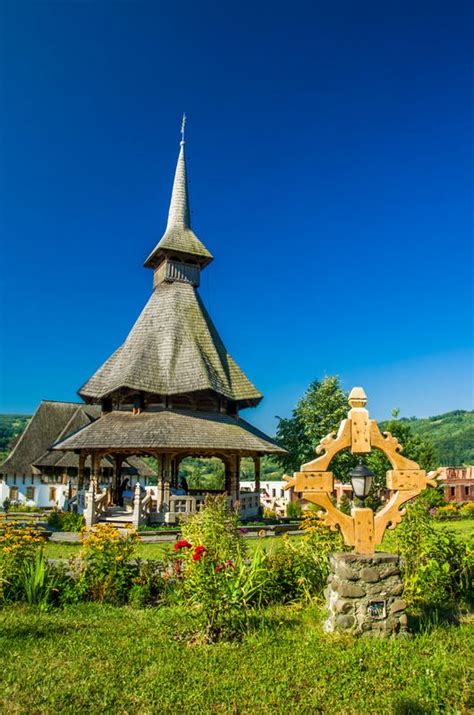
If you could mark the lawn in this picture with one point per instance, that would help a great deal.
(99, 659)
(56, 550)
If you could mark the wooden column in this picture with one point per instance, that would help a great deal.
(159, 481)
(166, 482)
(233, 478)
(95, 468)
(80, 471)
(256, 462)
(117, 477)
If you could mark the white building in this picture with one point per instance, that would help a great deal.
(273, 495)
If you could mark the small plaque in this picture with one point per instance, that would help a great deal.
(377, 610)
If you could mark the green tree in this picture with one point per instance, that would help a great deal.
(419, 449)
(321, 409)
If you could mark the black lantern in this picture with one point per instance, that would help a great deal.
(361, 480)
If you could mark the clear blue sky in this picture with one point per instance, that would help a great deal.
(331, 175)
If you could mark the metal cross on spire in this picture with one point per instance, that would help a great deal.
(183, 125)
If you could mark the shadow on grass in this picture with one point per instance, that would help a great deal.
(428, 618)
(407, 706)
(41, 630)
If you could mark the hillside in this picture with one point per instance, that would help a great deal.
(452, 434)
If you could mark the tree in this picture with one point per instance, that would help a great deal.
(419, 449)
(321, 409)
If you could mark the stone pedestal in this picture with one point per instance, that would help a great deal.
(364, 595)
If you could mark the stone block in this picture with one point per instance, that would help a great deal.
(345, 621)
(349, 590)
(370, 575)
(344, 572)
(342, 606)
(398, 605)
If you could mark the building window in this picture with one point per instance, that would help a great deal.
(13, 493)
(273, 492)
(452, 491)
(52, 494)
(30, 493)
(466, 491)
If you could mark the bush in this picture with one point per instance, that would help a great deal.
(299, 569)
(466, 510)
(105, 574)
(38, 581)
(66, 520)
(437, 565)
(18, 548)
(293, 510)
(212, 574)
(445, 513)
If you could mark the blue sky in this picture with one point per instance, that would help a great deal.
(330, 162)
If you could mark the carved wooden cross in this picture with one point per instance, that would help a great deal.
(362, 529)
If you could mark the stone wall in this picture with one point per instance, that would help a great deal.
(364, 595)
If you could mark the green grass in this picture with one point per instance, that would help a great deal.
(55, 550)
(99, 659)
(463, 526)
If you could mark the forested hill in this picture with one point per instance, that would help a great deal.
(11, 427)
(452, 434)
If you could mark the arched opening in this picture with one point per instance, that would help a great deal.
(202, 473)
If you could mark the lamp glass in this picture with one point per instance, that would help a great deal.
(361, 486)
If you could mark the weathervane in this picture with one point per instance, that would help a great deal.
(362, 529)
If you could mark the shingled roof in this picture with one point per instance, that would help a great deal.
(51, 422)
(179, 237)
(173, 348)
(168, 429)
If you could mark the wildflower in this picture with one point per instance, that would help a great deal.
(182, 544)
(243, 530)
(199, 552)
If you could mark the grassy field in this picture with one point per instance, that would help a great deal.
(99, 659)
(157, 551)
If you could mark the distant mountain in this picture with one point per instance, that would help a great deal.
(452, 433)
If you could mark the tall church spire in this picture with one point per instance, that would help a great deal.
(179, 214)
(178, 237)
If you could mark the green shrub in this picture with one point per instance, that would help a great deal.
(299, 569)
(149, 587)
(66, 520)
(18, 548)
(293, 510)
(467, 510)
(38, 581)
(437, 565)
(105, 572)
(212, 575)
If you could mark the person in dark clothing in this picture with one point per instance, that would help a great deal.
(122, 488)
(184, 484)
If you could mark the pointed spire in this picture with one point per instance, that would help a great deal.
(179, 237)
(179, 214)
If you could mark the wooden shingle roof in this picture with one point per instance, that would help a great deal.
(173, 348)
(169, 429)
(45, 427)
(52, 422)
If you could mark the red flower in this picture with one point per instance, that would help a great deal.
(199, 552)
(182, 544)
